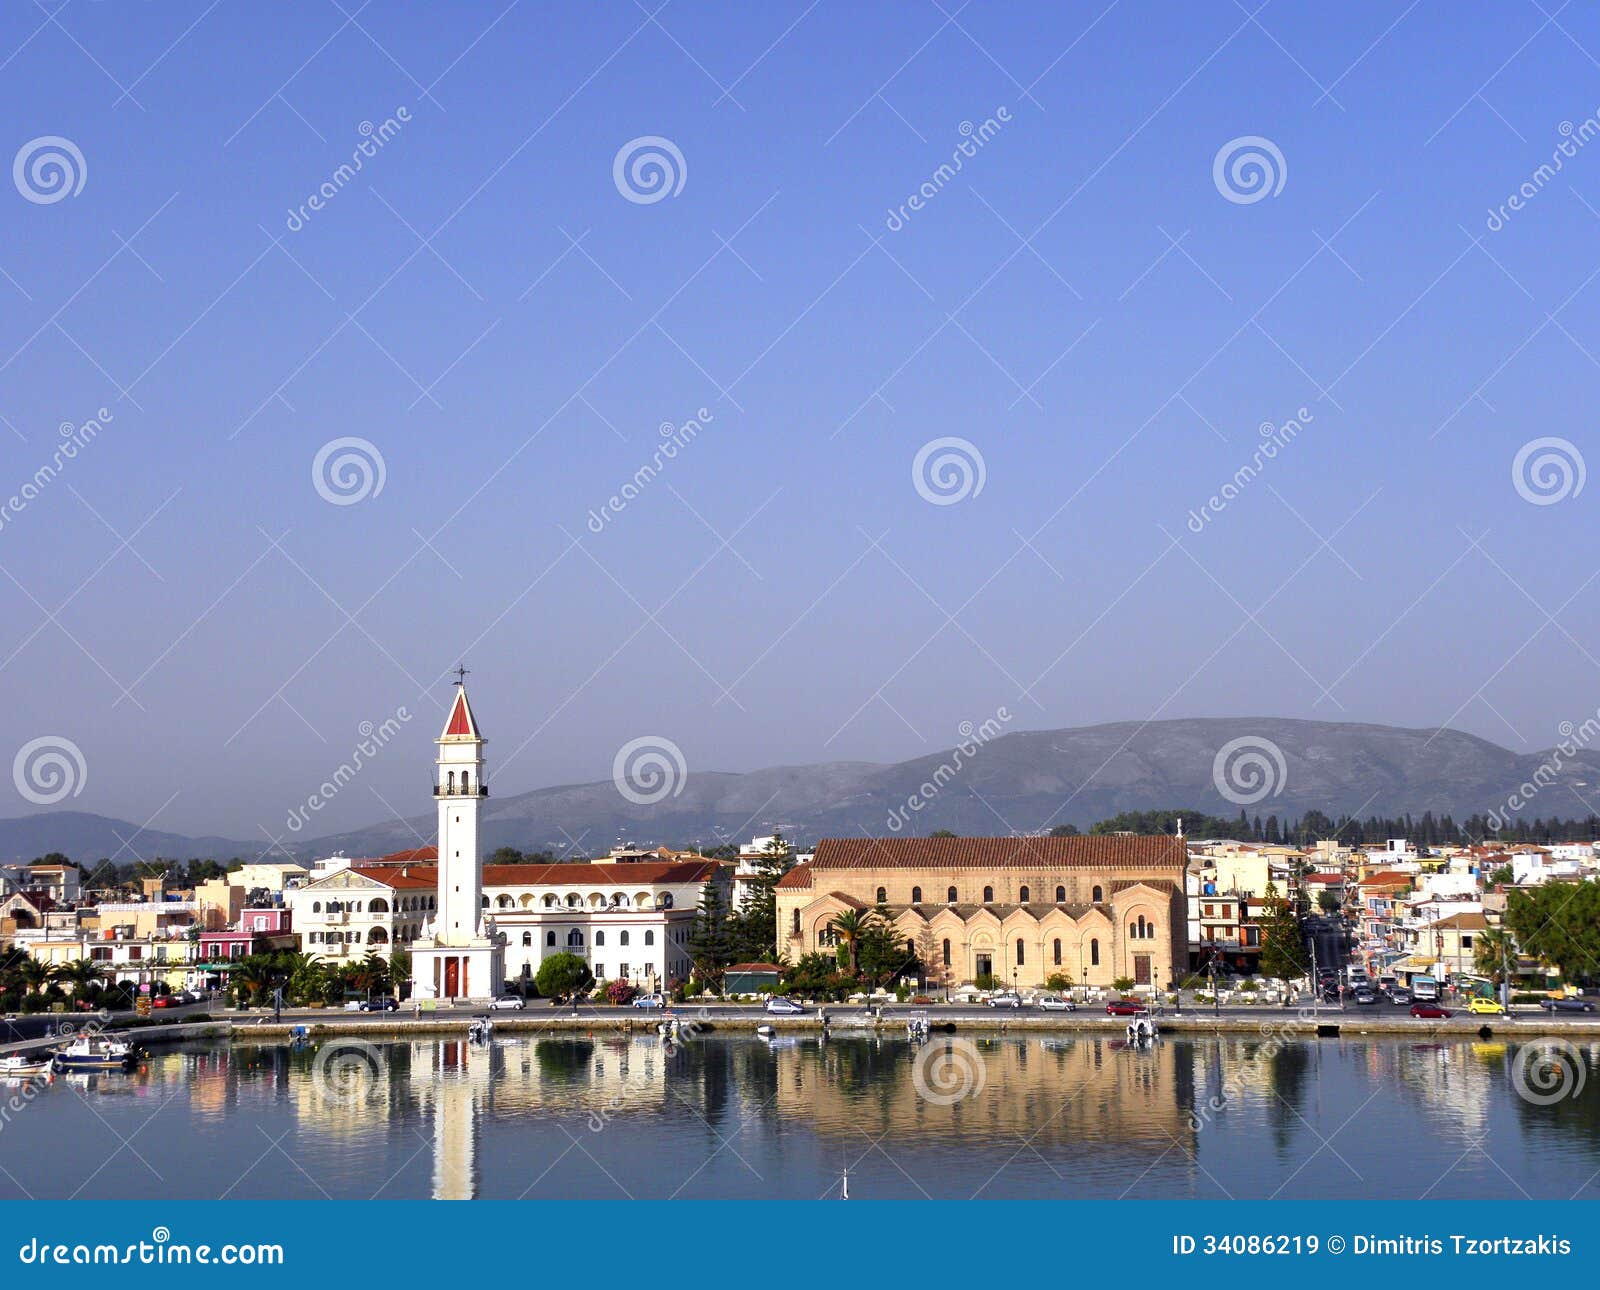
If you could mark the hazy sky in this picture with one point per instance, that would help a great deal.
(1096, 302)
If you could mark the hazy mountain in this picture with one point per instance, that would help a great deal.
(1018, 782)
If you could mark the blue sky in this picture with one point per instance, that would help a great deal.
(1081, 303)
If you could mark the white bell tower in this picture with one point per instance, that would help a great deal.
(459, 955)
(459, 791)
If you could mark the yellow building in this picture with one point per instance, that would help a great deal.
(1018, 909)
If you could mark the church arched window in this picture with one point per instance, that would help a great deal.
(623, 939)
(527, 938)
(649, 938)
(1055, 952)
(1061, 895)
(1022, 895)
(883, 895)
(1098, 894)
(599, 939)
(916, 895)
(550, 938)
(575, 937)
(988, 895)
(1094, 953)
(950, 895)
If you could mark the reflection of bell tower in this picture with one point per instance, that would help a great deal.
(459, 955)
(461, 1077)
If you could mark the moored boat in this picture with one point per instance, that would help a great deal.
(19, 1065)
(94, 1053)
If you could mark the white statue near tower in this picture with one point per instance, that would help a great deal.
(459, 955)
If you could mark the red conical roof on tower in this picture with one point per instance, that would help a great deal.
(462, 724)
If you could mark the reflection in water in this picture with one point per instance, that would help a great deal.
(604, 1116)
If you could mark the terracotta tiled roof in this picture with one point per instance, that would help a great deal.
(401, 880)
(798, 877)
(1389, 878)
(552, 875)
(845, 899)
(1082, 852)
(754, 967)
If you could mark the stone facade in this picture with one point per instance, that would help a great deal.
(1019, 909)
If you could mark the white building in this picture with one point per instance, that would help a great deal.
(349, 912)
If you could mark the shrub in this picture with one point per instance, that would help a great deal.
(619, 993)
(986, 981)
(1122, 984)
(1058, 981)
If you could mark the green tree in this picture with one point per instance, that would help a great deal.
(504, 855)
(883, 954)
(710, 948)
(1327, 902)
(1558, 923)
(849, 927)
(753, 930)
(1283, 952)
(563, 975)
(1494, 954)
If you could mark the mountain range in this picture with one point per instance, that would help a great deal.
(1019, 782)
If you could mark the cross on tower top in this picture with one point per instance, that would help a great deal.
(461, 675)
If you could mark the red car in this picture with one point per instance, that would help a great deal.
(161, 1001)
(1124, 1008)
(1432, 1011)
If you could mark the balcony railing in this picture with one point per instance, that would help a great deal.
(458, 790)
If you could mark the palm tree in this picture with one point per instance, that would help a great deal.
(1492, 952)
(83, 975)
(35, 975)
(850, 927)
(253, 976)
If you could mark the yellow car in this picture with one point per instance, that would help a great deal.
(1488, 1006)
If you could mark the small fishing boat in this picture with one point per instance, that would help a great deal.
(766, 1032)
(20, 1065)
(94, 1053)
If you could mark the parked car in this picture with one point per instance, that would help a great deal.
(781, 1006)
(1566, 1005)
(162, 1001)
(354, 1005)
(1365, 995)
(1399, 994)
(1005, 999)
(379, 1005)
(1480, 1006)
(508, 1003)
(1124, 1008)
(649, 1001)
(1054, 1003)
(1430, 1011)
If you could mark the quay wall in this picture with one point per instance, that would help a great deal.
(894, 1026)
